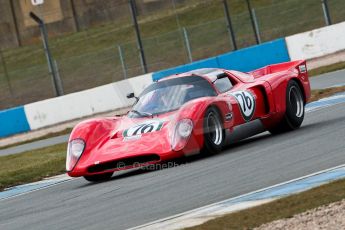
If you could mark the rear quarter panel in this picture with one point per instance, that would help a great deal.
(279, 82)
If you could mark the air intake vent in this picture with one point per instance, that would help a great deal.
(126, 162)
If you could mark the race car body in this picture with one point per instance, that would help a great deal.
(186, 114)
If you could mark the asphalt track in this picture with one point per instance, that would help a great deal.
(137, 197)
(327, 80)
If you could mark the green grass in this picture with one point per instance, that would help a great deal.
(90, 58)
(49, 135)
(322, 93)
(282, 208)
(327, 69)
(32, 166)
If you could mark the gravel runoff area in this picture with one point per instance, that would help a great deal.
(328, 217)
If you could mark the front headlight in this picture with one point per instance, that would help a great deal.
(183, 130)
(74, 150)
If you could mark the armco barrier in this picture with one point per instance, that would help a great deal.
(56, 110)
(206, 63)
(243, 60)
(255, 57)
(85, 103)
(317, 43)
(13, 121)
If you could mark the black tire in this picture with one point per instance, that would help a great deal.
(99, 177)
(294, 114)
(214, 133)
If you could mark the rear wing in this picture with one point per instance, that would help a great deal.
(300, 66)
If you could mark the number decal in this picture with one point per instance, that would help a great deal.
(246, 103)
(146, 127)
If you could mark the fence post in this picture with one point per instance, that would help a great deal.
(75, 16)
(252, 21)
(326, 12)
(229, 24)
(123, 64)
(3, 62)
(58, 79)
(137, 32)
(256, 26)
(186, 39)
(51, 66)
(15, 22)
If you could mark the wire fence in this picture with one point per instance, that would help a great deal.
(175, 32)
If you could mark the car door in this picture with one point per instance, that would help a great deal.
(249, 99)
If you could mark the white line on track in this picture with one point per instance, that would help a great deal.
(35, 186)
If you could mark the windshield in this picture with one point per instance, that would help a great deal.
(169, 95)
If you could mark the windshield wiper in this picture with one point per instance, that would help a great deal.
(143, 114)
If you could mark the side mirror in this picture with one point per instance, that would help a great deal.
(222, 75)
(130, 95)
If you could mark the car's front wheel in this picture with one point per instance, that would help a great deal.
(294, 114)
(98, 177)
(214, 133)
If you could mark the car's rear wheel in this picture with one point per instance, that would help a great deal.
(214, 133)
(294, 114)
(99, 177)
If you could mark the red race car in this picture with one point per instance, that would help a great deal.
(186, 114)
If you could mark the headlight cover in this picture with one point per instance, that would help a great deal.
(183, 130)
(74, 150)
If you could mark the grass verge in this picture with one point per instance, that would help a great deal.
(32, 165)
(282, 208)
(318, 94)
(326, 69)
(49, 135)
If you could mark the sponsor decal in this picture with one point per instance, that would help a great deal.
(246, 102)
(228, 117)
(136, 131)
(302, 68)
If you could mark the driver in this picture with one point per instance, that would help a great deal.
(155, 102)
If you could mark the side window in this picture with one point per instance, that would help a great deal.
(223, 84)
